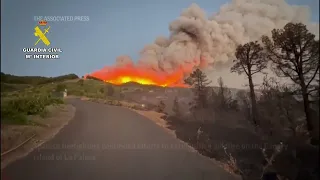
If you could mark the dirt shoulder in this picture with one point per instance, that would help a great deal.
(25, 138)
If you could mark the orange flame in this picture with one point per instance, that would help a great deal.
(144, 76)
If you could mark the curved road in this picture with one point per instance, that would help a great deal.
(112, 143)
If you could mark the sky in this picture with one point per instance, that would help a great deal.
(117, 27)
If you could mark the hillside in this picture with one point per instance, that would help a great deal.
(34, 80)
(13, 83)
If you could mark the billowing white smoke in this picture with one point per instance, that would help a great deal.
(197, 40)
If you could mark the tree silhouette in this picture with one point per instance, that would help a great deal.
(295, 54)
(176, 107)
(199, 82)
(161, 106)
(224, 97)
(250, 60)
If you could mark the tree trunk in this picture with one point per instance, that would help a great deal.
(253, 102)
(306, 105)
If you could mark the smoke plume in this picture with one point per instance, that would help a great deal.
(210, 42)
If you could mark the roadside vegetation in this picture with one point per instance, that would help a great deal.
(22, 96)
(271, 130)
(14, 110)
(34, 80)
(37, 93)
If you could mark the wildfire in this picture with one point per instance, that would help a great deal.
(125, 74)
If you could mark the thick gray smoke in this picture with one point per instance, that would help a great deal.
(210, 42)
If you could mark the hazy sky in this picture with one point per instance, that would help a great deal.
(115, 28)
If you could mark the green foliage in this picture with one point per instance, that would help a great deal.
(34, 80)
(60, 87)
(101, 90)
(11, 116)
(89, 88)
(15, 109)
(5, 87)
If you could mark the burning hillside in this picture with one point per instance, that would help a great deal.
(198, 41)
(125, 74)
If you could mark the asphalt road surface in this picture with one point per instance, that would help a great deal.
(112, 143)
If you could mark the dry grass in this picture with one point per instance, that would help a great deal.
(270, 159)
(231, 165)
(13, 135)
(45, 128)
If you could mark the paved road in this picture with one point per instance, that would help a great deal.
(112, 143)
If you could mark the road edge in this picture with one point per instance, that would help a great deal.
(192, 149)
(36, 141)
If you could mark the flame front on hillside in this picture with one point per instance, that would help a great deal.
(144, 76)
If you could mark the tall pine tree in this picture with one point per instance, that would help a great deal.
(198, 81)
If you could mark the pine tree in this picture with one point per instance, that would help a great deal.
(250, 60)
(294, 53)
(199, 82)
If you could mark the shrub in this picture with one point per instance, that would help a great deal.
(101, 90)
(12, 116)
(16, 109)
(81, 82)
(60, 87)
(161, 106)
